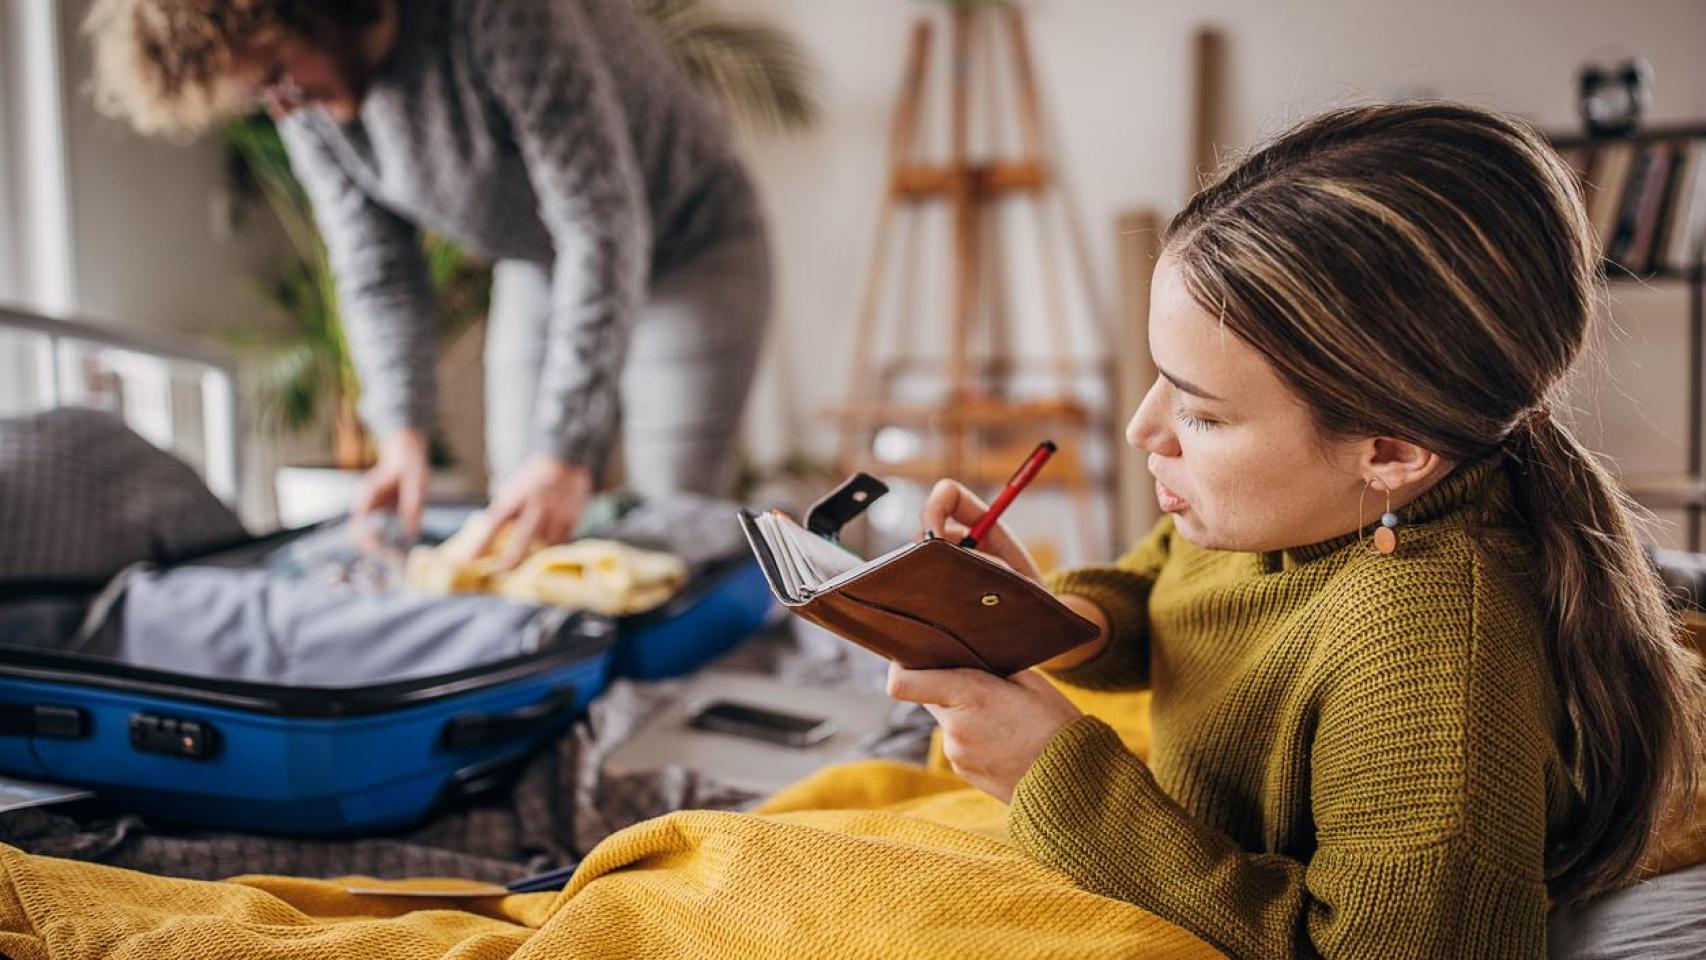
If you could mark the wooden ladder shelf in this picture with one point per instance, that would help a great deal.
(978, 431)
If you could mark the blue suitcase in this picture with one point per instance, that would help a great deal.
(719, 609)
(306, 761)
(322, 761)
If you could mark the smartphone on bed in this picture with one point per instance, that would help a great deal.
(760, 723)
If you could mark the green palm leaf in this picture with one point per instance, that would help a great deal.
(294, 391)
(293, 383)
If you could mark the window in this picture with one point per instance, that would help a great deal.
(18, 354)
(178, 396)
(35, 206)
(9, 292)
(35, 247)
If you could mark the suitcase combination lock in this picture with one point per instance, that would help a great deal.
(191, 739)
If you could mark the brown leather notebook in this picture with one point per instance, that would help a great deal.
(925, 605)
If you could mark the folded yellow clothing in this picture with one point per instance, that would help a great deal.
(599, 575)
(908, 863)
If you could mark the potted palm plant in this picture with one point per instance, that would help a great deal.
(757, 72)
(309, 376)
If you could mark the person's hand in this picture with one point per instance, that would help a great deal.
(950, 511)
(543, 501)
(993, 729)
(398, 480)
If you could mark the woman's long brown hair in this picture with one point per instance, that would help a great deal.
(1426, 271)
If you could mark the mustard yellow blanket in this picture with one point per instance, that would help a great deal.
(870, 859)
(873, 859)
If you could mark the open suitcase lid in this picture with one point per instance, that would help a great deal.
(582, 636)
(570, 637)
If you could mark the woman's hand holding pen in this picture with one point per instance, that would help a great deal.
(950, 511)
(993, 728)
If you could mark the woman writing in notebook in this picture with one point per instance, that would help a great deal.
(1413, 677)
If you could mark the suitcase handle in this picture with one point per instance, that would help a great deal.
(479, 729)
(48, 720)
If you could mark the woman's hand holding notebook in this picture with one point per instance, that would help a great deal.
(926, 605)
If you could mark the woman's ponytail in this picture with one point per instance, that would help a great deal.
(1632, 692)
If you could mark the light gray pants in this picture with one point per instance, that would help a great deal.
(690, 364)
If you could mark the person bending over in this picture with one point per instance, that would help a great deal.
(555, 137)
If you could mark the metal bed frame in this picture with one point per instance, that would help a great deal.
(148, 361)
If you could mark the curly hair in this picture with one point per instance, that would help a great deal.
(165, 66)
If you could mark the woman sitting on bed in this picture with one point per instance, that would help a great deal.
(1413, 677)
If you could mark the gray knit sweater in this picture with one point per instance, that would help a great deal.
(557, 131)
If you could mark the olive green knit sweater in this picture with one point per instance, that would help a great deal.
(1354, 755)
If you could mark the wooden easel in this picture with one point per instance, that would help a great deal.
(979, 432)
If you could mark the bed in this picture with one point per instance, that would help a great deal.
(182, 397)
(176, 392)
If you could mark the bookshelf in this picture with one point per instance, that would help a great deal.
(1646, 196)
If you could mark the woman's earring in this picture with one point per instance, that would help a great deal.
(1385, 535)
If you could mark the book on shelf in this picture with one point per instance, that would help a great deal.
(1649, 196)
(1610, 173)
(1658, 253)
(1615, 242)
(1688, 210)
(1580, 160)
(1673, 231)
(1646, 200)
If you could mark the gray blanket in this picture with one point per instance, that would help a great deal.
(1661, 919)
(256, 626)
(82, 497)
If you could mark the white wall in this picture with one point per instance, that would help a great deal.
(1116, 77)
(8, 147)
(147, 231)
(39, 265)
(149, 241)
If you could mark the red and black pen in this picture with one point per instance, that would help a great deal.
(1020, 480)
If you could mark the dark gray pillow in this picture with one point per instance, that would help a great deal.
(82, 497)
(1663, 918)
